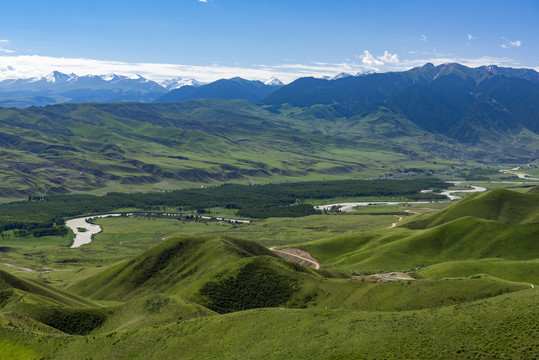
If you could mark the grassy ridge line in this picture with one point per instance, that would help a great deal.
(463, 239)
(512, 270)
(33, 286)
(177, 266)
(502, 205)
(503, 227)
(246, 275)
(481, 329)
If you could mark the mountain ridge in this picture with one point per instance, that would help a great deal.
(233, 88)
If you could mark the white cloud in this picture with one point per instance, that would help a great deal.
(389, 58)
(515, 43)
(423, 37)
(204, 1)
(370, 61)
(4, 41)
(469, 36)
(508, 43)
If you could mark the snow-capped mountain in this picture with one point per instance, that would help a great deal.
(178, 82)
(365, 72)
(273, 81)
(58, 81)
(341, 75)
(57, 76)
(234, 88)
(59, 87)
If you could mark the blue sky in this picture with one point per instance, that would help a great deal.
(259, 38)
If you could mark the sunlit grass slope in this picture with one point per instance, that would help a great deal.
(501, 205)
(482, 329)
(498, 227)
(37, 289)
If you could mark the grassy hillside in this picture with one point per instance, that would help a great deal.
(227, 275)
(513, 270)
(501, 205)
(41, 290)
(104, 147)
(168, 267)
(462, 239)
(499, 239)
(99, 148)
(207, 294)
(482, 329)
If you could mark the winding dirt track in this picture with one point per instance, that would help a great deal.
(292, 255)
(44, 271)
(399, 218)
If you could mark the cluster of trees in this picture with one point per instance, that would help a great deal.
(73, 321)
(46, 215)
(479, 174)
(256, 285)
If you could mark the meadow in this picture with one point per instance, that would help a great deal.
(201, 288)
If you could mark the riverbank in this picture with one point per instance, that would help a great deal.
(84, 231)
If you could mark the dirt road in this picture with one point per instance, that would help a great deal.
(297, 255)
(399, 218)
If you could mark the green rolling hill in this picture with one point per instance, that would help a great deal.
(207, 296)
(499, 224)
(501, 205)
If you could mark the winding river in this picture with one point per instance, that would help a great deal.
(351, 206)
(84, 231)
(459, 183)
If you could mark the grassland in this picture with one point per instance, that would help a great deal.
(149, 287)
(482, 329)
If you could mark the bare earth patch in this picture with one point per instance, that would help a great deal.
(297, 256)
(393, 276)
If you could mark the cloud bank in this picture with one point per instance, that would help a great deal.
(26, 66)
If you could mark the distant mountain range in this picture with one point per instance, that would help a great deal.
(58, 87)
(465, 104)
(452, 92)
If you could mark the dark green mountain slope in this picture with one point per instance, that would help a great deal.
(485, 104)
(235, 88)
